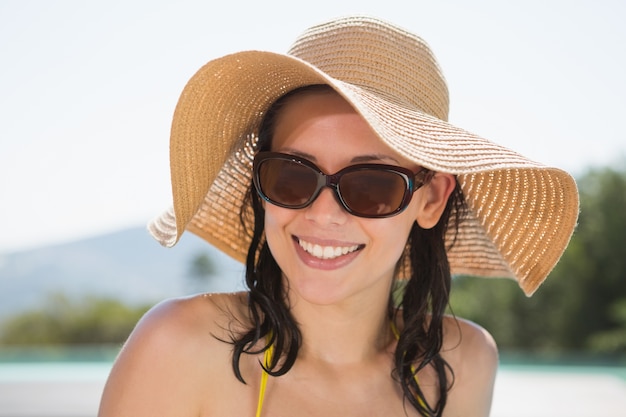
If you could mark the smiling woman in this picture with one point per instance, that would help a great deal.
(332, 173)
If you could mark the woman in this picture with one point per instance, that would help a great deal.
(332, 172)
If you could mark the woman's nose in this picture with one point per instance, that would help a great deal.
(326, 209)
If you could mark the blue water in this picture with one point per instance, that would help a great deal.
(94, 364)
(99, 370)
(54, 371)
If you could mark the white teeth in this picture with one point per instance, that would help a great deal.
(326, 252)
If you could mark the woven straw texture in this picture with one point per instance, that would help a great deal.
(522, 214)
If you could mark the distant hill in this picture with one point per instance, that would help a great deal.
(129, 265)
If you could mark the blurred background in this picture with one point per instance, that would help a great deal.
(87, 90)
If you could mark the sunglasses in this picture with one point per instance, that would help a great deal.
(364, 190)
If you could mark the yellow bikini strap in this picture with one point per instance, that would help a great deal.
(267, 358)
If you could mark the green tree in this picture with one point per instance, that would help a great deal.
(200, 272)
(597, 262)
(63, 321)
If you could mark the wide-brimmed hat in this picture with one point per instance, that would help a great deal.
(521, 213)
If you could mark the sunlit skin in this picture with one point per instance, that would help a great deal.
(175, 364)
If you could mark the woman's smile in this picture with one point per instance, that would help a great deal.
(324, 254)
(326, 251)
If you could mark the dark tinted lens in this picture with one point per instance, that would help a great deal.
(286, 182)
(373, 192)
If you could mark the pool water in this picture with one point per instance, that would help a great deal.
(73, 389)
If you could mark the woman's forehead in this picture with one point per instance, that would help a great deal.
(317, 125)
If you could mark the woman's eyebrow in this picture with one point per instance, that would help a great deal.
(374, 158)
(359, 159)
(300, 154)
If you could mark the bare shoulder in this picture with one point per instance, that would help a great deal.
(177, 350)
(463, 337)
(214, 312)
(199, 321)
(472, 353)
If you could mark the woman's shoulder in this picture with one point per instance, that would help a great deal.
(186, 326)
(472, 353)
(468, 347)
(215, 312)
(179, 348)
(194, 319)
(466, 337)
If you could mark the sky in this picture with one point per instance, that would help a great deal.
(88, 88)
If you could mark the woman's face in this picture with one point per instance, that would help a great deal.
(328, 255)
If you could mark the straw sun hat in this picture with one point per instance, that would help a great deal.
(521, 213)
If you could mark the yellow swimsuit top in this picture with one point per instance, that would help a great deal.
(267, 358)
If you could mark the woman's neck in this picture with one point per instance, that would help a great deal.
(353, 331)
